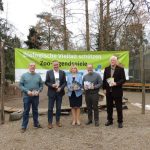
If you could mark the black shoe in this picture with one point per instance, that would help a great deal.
(96, 123)
(38, 126)
(108, 123)
(120, 125)
(89, 122)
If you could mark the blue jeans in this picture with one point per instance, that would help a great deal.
(28, 101)
(51, 101)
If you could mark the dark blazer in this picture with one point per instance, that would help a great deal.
(50, 79)
(119, 78)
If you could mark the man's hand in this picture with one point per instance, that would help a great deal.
(92, 87)
(85, 87)
(54, 86)
(29, 93)
(58, 90)
(104, 91)
(36, 93)
(113, 84)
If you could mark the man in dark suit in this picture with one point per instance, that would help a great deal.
(56, 82)
(114, 78)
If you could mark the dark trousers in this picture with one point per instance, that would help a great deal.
(118, 104)
(28, 101)
(92, 104)
(51, 102)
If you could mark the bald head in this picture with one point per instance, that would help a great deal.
(32, 67)
(90, 68)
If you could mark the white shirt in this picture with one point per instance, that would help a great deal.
(56, 74)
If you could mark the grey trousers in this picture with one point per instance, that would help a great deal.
(92, 104)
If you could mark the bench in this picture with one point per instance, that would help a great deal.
(136, 86)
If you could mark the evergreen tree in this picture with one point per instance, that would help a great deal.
(1, 5)
(51, 30)
(34, 38)
(10, 43)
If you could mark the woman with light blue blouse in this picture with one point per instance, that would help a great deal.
(74, 85)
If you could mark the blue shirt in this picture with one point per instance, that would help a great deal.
(30, 81)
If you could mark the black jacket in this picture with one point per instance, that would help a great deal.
(50, 79)
(119, 78)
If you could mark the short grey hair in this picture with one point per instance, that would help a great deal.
(113, 57)
(32, 63)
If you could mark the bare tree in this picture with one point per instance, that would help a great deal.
(61, 6)
(106, 24)
(87, 26)
(51, 31)
(65, 26)
(101, 28)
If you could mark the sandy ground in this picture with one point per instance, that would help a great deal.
(135, 135)
(133, 97)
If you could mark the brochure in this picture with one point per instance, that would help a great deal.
(110, 81)
(57, 82)
(88, 85)
(75, 85)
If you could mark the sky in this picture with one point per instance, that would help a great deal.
(22, 13)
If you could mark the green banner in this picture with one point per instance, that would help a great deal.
(44, 58)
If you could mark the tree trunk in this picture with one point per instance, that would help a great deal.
(107, 25)
(49, 39)
(65, 27)
(87, 26)
(101, 33)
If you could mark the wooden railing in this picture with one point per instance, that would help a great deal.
(136, 86)
(12, 90)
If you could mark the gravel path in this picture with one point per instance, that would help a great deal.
(134, 136)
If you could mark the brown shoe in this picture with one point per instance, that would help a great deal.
(58, 124)
(50, 126)
(23, 130)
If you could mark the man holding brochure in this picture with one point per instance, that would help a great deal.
(114, 78)
(31, 85)
(92, 82)
(56, 82)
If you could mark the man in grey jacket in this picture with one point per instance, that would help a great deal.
(92, 82)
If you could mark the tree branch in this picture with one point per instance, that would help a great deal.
(147, 5)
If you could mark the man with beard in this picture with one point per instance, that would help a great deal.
(92, 83)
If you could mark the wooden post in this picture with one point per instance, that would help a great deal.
(142, 78)
(2, 82)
